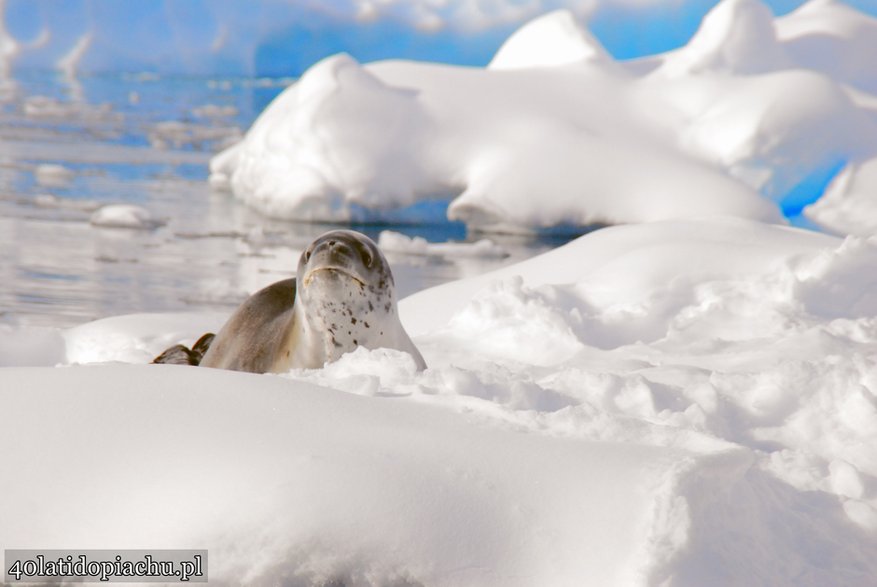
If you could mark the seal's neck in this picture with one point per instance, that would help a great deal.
(338, 320)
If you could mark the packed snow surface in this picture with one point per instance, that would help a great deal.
(676, 403)
(746, 120)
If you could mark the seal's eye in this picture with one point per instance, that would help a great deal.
(367, 258)
(307, 254)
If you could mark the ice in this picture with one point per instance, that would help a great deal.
(732, 124)
(397, 243)
(8, 47)
(682, 402)
(69, 63)
(53, 176)
(214, 111)
(125, 216)
(173, 134)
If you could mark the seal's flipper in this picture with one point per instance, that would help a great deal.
(183, 355)
(200, 347)
(177, 355)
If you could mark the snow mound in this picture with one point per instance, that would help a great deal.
(626, 265)
(555, 134)
(330, 136)
(736, 37)
(766, 136)
(125, 216)
(850, 202)
(293, 483)
(833, 38)
(135, 338)
(550, 40)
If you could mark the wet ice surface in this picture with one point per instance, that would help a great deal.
(69, 149)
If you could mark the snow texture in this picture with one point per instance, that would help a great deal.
(742, 122)
(678, 403)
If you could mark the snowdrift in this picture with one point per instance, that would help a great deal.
(743, 121)
(674, 403)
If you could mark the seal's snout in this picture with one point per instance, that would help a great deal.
(334, 251)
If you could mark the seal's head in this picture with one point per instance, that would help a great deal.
(344, 259)
(346, 290)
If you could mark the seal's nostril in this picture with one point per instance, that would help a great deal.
(331, 243)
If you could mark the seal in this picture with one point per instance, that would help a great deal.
(343, 297)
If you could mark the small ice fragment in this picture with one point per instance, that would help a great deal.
(124, 216)
(53, 176)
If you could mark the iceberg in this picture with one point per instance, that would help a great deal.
(556, 133)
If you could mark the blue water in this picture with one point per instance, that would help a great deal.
(810, 189)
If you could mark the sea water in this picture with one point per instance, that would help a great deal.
(70, 146)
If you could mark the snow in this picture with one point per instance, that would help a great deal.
(833, 38)
(850, 201)
(737, 36)
(680, 402)
(550, 40)
(736, 123)
(688, 398)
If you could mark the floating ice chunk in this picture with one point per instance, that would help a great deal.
(174, 134)
(340, 136)
(52, 201)
(213, 111)
(125, 216)
(44, 107)
(526, 149)
(394, 242)
(555, 133)
(550, 40)
(9, 47)
(69, 63)
(53, 176)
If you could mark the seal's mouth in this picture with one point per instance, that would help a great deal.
(309, 277)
